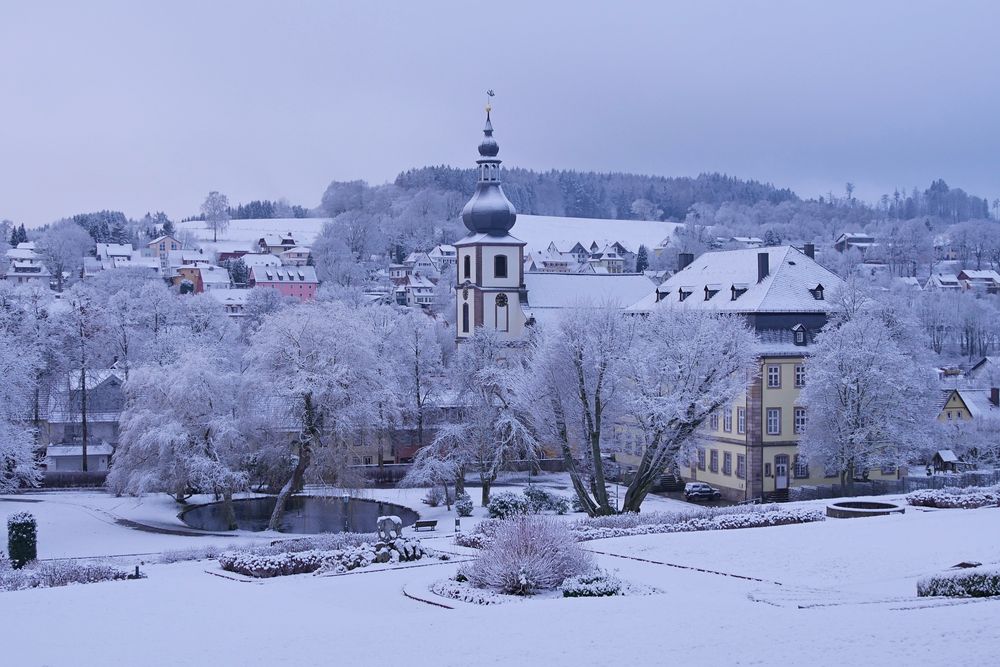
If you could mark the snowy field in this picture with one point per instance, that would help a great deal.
(535, 230)
(830, 593)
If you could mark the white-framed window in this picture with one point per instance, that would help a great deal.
(741, 420)
(713, 461)
(727, 463)
(713, 421)
(701, 458)
(800, 375)
(801, 467)
(727, 420)
(741, 466)
(800, 420)
(774, 376)
(774, 421)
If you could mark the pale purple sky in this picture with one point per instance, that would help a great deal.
(142, 106)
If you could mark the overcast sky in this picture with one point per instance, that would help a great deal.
(142, 106)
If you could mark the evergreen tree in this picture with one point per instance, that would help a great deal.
(641, 259)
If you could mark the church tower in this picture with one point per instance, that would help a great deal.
(490, 261)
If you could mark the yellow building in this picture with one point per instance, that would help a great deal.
(968, 404)
(751, 446)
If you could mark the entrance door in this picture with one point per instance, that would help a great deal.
(781, 471)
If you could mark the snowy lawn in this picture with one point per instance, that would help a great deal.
(848, 594)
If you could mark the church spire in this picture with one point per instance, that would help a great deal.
(489, 211)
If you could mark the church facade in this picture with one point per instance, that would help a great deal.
(490, 290)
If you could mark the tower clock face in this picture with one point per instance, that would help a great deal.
(501, 300)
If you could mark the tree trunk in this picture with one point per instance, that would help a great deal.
(83, 412)
(297, 479)
(486, 492)
(228, 511)
(447, 498)
(459, 481)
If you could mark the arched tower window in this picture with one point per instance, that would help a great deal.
(465, 317)
(500, 266)
(467, 268)
(502, 313)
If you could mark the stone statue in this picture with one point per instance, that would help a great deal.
(389, 528)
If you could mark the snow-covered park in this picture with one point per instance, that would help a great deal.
(829, 592)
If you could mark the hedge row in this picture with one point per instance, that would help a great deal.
(260, 565)
(951, 497)
(977, 582)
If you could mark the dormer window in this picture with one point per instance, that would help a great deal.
(711, 290)
(817, 292)
(799, 334)
(685, 292)
(660, 296)
(738, 289)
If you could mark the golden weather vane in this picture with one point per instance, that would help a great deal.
(489, 100)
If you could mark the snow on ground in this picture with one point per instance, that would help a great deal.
(845, 594)
(245, 233)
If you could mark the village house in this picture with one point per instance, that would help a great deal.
(26, 267)
(275, 243)
(300, 281)
(415, 290)
(943, 281)
(61, 428)
(857, 240)
(986, 280)
(162, 245)
(443, 256)
(233, 301)
(297, 256)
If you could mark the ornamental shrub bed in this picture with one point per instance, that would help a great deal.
(979, 582)
(593, 585)
(463, 591)
(264, 565)
(507, 504)
(49, 574)
(726, 518)
(952, 497)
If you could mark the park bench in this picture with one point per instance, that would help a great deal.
(429, 525)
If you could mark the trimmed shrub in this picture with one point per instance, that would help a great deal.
(527, 554)
(463, 504)
(22, 539)
(56, 573)
(505, 505)
(338, 560)
(479, 536)
(540, 500)
(722, 518)
(593, 585)
(979, 582)
(951, 497)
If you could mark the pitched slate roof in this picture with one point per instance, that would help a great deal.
(284, 274)
(550, 293)
(786, 288)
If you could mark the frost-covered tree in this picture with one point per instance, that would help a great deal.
(684, 367)
(62, 247)
(180, 430)
(215, 211)
(868, 396)
(18, 466)
(318, 356)
(419, 363)
(661, 376)
(491, 428)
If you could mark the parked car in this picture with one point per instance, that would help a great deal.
(701, 491)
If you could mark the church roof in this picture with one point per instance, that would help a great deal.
(551, 293)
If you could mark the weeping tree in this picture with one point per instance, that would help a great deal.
(181, 430)
(660, 376)
(318, 360)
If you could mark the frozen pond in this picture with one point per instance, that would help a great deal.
(305, 514)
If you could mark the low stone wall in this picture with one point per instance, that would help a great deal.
(856, 509)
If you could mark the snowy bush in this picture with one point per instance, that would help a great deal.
(434, 496)
(952, 497)
(481, 535)
(507, 504)
(977, 582)
(22, 539)
(459, 589)
(463, 504)
(263, 565)
(723, 518)
(527, 554)
(540, 500)
(56, 573)
(593, 585)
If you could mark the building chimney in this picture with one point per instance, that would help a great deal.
(995, 396)
(763, 271)
(683, 259)
(809, 250)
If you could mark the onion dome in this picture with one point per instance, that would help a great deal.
(489, 211)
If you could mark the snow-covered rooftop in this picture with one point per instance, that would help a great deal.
(538, 231)
(549, 293)
(102, 449)
(787, 287)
